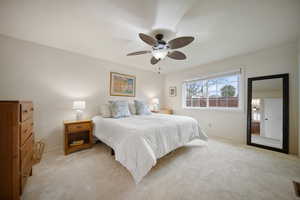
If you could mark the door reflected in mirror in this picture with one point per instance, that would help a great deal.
(267, 98)
(268, 112)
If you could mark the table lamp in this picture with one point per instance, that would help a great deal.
(79, 106)
(155, 103)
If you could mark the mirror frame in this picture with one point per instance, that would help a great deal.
(285, 127)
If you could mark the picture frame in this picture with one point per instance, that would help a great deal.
(172, 91)
(122, 84)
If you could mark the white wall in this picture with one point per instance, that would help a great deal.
(53, 78)
(232, 125)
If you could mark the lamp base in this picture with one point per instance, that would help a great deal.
(155, 107)
(79, 115)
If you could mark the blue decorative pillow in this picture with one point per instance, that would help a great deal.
(141, 108)
(119, 109)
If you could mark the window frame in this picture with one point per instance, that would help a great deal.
(241, 85)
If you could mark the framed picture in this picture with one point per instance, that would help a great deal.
(122, 85)
(172, 91)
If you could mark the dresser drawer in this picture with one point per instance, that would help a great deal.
(24, 176)
(27, 149)
(26, 166)
(73, 128)
(26, 129)
(26, 161)
(26, 110)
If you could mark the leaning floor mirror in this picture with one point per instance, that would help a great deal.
(268, 112)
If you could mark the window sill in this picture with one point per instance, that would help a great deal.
(215, 109)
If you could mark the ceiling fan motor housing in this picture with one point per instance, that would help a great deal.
(159, 37)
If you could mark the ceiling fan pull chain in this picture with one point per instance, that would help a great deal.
(158, 70)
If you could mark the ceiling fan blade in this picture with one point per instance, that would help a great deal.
(138, 53)
(154, 60)
(177, 55)
(148, 39)
(180, 42)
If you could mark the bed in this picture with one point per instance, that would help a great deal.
(138, 141)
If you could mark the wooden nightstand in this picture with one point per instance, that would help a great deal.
(164, 111)
(78, 131)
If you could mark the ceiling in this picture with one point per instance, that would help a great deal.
(108, 29)
(267, 85)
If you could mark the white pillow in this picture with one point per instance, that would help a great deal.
(132, 108)
(106, 111)
(142, 108)
(119, 109)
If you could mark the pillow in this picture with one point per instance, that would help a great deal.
(119, 109)
(132, 108)
(141, 108)
(105, 110)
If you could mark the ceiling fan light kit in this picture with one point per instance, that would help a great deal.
(162, 49)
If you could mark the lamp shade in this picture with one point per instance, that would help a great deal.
(79, 105)
(155, 101)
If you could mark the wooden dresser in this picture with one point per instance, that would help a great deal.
(16, 147)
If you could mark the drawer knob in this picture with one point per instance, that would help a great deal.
(25, 111)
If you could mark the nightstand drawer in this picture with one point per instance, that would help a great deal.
(73, 128)
(163, 111)
(166, 111)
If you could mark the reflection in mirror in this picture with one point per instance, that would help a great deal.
(267, 112)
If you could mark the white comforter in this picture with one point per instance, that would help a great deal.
(139, 140)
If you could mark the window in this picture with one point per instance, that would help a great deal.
(221, 91)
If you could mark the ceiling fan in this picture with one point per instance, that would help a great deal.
(161, 49)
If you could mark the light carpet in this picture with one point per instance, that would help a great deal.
(214, 170)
